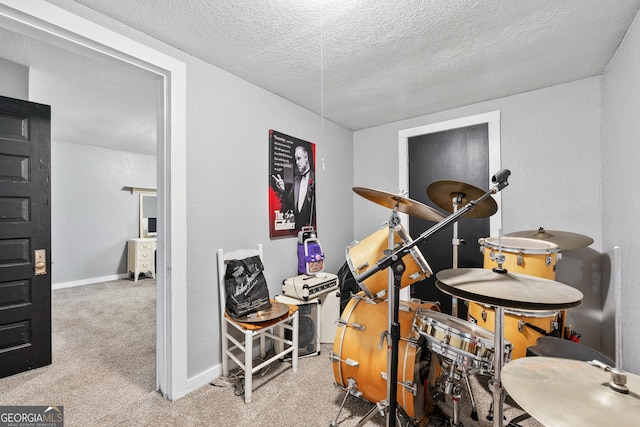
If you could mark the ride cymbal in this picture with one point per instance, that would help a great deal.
(566, 392)
(564, 239)
(404, 204)
(511, 290)
(442, 194)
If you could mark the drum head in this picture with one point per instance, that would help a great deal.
(463, 327)
(520, 244)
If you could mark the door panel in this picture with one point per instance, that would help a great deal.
(461, 155)
(25, 226)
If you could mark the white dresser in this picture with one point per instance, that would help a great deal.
(141, 257)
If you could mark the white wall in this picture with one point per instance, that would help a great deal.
(621, 227)
(550, 141)
(15, 80)
(91, 216)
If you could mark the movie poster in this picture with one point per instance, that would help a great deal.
(292, 185)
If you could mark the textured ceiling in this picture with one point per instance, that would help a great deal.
(360, 63)
(364, 63)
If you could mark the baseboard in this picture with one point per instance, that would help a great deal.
(90, 281)
(204, 378)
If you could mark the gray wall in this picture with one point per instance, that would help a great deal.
(14, 80)
(228, 121)
(91, 216)
(227, 183)
(621, 227)
(550, 140)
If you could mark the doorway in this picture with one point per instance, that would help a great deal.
(56, 26)
(465, 150)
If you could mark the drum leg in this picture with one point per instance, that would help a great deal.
(474, 410)
(380, 407)
(352, 385)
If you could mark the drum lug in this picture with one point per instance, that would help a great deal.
(383, 335)
(520, 325)
(349, 362)
(500, 258)
(484, 315)
(363, 266)
(547, 261)
(415, 276)
(521, 259)
(409, 385)
(342, 322)
(381, 295)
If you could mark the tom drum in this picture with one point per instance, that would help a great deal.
(364, 254)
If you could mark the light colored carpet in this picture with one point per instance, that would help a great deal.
(103, 373)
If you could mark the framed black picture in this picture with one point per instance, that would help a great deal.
(292, 185)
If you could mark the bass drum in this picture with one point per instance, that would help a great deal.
(360, 354)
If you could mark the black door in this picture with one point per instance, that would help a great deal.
(25, 236)
(460, 155)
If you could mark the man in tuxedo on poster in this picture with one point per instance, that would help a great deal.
(300, 197)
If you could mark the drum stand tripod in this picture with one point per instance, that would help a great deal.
(393, 259)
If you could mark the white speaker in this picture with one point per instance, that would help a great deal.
(329, 313)
(308, 325)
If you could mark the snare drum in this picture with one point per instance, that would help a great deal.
(521, 328)
(522, 255)
(460, 341)
(360, 353)
(364, 254)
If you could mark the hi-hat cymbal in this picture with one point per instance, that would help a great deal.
(565, 239)
(566, 392)
(510, 290)
(405, 205)
(442, 194)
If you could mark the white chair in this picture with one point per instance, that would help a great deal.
(242, 352)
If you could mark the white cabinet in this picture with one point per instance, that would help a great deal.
(141, 257)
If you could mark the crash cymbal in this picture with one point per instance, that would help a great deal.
(442, 194)
(565, 239)
(566, 392)
(405, 205)
(510, 290)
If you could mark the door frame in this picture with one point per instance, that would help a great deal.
(492, 119)
(56, 26)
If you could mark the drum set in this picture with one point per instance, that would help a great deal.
(407, 357)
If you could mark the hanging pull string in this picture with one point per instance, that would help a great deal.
(322, 72)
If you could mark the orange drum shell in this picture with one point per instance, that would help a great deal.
(364, 254)
(362, 346)
(533, 253)
(520, 340)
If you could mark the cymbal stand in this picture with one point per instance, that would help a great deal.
(395, 279)
(455, 242)
(498, 354)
